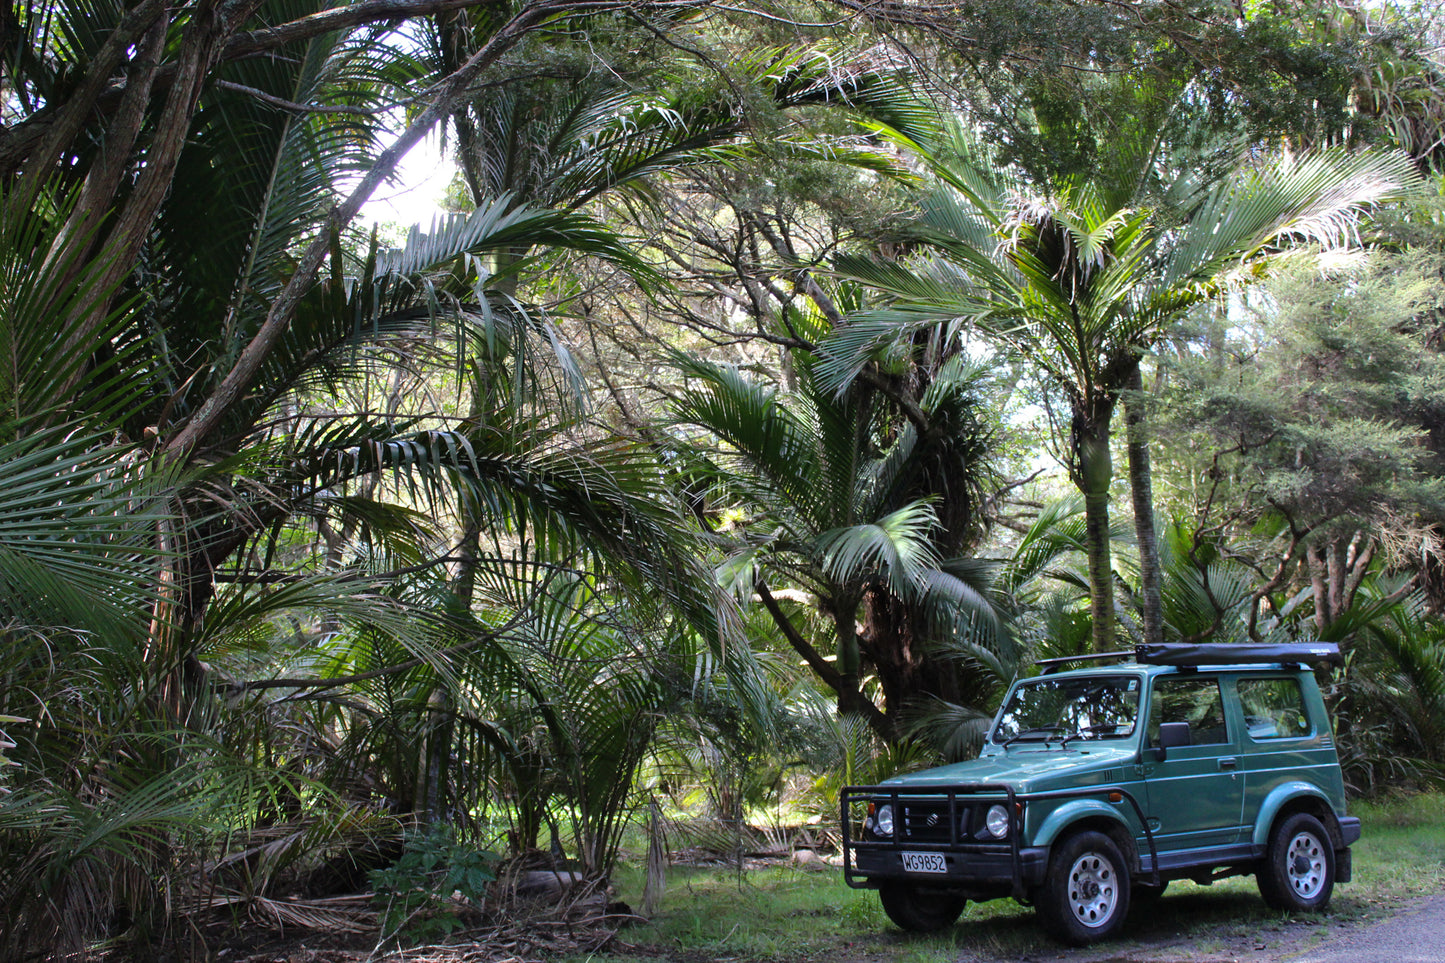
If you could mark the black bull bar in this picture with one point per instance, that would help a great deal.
(957, 797)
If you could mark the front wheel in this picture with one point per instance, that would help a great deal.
(1086, 895)
(1298, 869)
(918, 911)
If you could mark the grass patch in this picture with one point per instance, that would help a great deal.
(805, 915)
(1402, 851)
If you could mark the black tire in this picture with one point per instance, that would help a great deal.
(1085, 897)
(1298, 869)
(917, 911)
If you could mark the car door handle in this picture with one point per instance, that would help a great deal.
(1228, 762)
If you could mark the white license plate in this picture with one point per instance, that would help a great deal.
(924, 863)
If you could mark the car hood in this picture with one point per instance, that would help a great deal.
(1028, 768)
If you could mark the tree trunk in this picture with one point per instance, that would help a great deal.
(1141, 488)
(850, 660)
(1337, 569)
(906, 669)
(830, 673)
(1093, 472)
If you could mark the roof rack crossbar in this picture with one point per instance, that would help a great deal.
(1054, 665)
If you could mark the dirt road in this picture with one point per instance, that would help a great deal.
(1415, 936)
(1206, 927)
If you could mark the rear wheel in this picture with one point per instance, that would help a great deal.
(1086, 895)
(1298, 869)
(918, 911)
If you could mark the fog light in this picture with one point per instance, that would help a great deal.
(997, 822)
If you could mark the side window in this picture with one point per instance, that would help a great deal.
(1192, 699)
(1274, 709)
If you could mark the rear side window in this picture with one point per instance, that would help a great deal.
(1274, 709)
(1192, 699)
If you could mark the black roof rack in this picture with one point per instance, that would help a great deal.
(1054, 665)
(1231, 653)
(1190, 654)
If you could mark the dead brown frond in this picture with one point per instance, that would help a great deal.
(346, 914)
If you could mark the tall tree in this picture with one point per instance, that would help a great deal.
(1314, 414)
(1082, 278)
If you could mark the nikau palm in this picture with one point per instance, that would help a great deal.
(838, 515)
(1083, 281)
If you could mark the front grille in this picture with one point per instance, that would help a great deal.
(928, 822)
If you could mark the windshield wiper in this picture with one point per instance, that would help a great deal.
(1085, 731)
(1036, 730)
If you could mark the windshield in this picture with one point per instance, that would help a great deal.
(1053, 710)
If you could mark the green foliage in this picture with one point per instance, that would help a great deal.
(419, 894)
(853, 504)
(1321, 397)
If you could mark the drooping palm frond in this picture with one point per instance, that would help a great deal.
(52, 362)
(564, 146)
(896, 547)
(1056, 532)
(505, 223)
(758, 426)
(954, 732)
(959, 602)
(80, 532)
(75, 861)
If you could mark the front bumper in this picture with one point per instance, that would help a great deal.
(979, 868)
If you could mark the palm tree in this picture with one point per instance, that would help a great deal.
(842, 506)
(1083, 279)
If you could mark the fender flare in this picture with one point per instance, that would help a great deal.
(1075, 810)
(1284, 794)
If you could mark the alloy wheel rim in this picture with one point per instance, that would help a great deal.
(1305, 865)
(1093, 890)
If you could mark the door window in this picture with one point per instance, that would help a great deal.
(1274, 709)
(1192, 699)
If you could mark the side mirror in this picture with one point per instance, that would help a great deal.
(1172, 735)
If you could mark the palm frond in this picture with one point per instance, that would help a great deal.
(80, 532)
(897, 546)
(1316, 197)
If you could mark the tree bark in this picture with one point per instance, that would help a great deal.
(210, 24)
(830, 673)
(42, 157)
(1093, 473)
(1141, 488)
(906, 668)
(850, 661)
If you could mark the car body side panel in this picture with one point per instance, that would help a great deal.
(1193, 800)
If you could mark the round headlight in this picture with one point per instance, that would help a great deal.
(883, 821)
(997, 822)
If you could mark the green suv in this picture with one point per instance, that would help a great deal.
(1097, 786)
